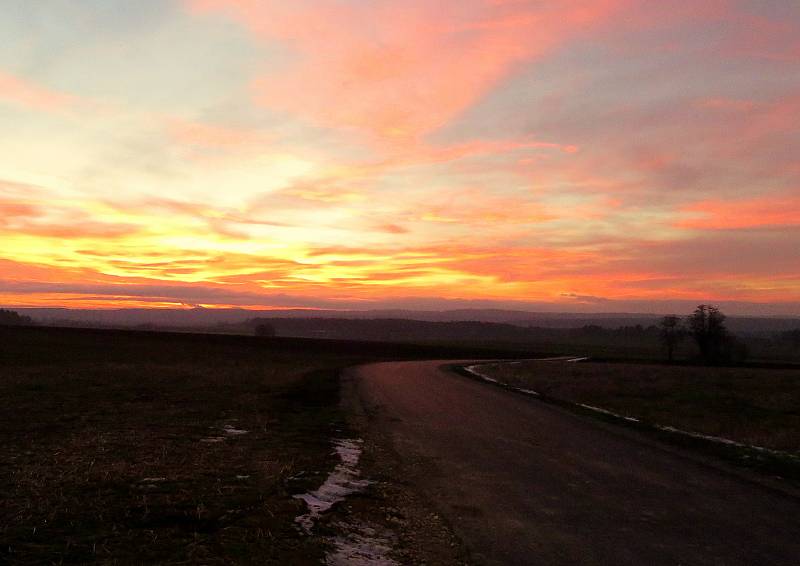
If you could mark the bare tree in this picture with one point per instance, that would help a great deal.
(707, 326)
(672, 333)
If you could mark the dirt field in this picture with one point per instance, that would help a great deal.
(750, 405)
(144, 449)
(122, 447)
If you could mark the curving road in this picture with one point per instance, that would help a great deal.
(522, 482)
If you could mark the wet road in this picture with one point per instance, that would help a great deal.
(522, 482)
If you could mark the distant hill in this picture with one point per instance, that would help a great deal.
(207, 318)
(406, 330)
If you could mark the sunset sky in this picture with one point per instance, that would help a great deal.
(597, 155)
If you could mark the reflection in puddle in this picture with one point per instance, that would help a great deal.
(233, 431)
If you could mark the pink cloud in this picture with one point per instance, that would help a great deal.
(764, 38)
(723, 104)
(413, 68)
(16, 90)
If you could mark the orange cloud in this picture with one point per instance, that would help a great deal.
(193, 133)
(12, 209)
(774, 211)
(38, 218)
(469, 207)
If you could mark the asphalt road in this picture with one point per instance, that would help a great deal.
(522, 482)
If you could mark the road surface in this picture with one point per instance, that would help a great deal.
(523, 482)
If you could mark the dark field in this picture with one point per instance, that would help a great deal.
(754, 406)
(122, 447)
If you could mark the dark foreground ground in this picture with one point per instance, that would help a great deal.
(523, 482)
(143, 448)
(121, 447)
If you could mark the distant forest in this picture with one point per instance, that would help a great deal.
(394, 329)
(591, 339)
(11, 318)
(603, 336)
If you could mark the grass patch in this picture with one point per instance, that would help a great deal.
(751, 406)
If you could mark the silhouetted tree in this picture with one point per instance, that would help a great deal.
(672, 333)
(707, 326)
(11, 318)
(265, 330)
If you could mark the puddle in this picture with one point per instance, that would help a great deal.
(233, 431)
(227, 430)
(362, 546)
(343, 480)
(149, 483)
(355, 545)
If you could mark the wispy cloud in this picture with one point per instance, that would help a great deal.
(27, 94)
(777, 211)
(416, 65)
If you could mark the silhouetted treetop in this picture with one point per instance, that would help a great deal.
(707, 327)
(12, 318)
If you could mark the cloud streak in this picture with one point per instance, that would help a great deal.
(20, 92)
(414, 68)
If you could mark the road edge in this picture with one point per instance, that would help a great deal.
(768, 468)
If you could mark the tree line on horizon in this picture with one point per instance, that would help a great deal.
(13, 318)
(706, 326)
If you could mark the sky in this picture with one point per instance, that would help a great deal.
(574, 155)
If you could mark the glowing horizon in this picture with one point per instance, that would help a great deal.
(581, 154)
